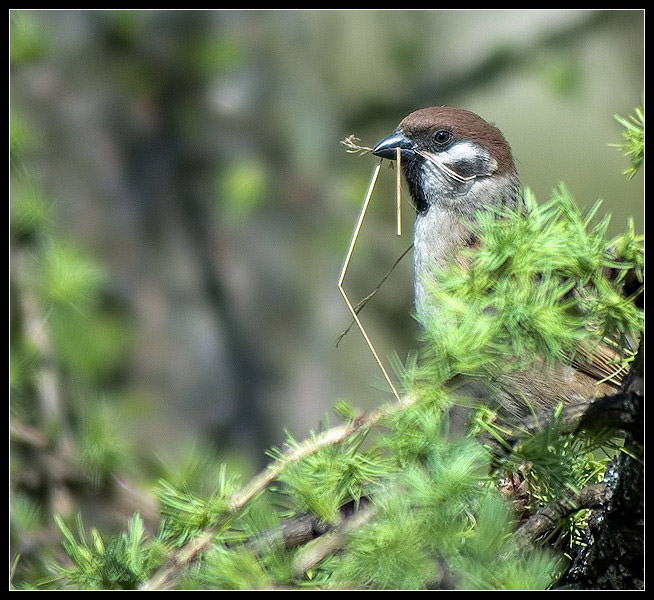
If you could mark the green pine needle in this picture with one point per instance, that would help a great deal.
(633, 145)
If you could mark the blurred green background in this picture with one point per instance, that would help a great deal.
(195, 156)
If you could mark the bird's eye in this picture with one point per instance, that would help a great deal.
(442, 137)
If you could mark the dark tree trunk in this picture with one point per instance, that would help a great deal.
(614, 557)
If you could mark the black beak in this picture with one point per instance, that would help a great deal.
(387, 147)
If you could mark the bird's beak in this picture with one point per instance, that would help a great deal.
(387, 148)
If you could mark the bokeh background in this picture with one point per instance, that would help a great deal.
(195, 155)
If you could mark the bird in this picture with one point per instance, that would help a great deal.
(455, 164)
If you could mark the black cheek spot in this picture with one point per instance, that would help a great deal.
(471, 167)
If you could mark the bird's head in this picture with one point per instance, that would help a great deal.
(455, 164)
(452, 159)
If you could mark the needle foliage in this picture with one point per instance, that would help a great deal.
(438, 511)
(438, 516)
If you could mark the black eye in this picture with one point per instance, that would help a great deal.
(442, 137)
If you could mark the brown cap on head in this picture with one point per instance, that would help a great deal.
(463, 124)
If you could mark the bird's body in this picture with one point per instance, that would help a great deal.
(456, 164)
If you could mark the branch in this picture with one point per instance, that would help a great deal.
(291, 533)
(489, 67)
(302, 530)
(51, 407)
(574, 417)
(319, 549)
(619, 411)
(165, 577)
(548, 517)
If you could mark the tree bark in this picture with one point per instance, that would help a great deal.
(614, 556)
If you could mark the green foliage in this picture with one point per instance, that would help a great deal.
(562, 73)
(61, 326)
(537, 287)
(103, 444)
(225, 569)
(633, 145)
(390, 553)
(184, 514)
(241, 188)
(331, 478)
(437, 523)
(67, 275)
(119, 564)
(553, 462)
(26, 515)
(416, 432)
(28, 41)
(92, 343)
(628, 249)
(490, 560)
(30, 209)
(545, 283)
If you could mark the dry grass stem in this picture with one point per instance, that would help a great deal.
(357, 229)
(352, 146)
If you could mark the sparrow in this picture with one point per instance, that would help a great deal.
(455, 164)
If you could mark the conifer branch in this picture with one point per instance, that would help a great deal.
(182, 557)
(332, 541)
(547, 518)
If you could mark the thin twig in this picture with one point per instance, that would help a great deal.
(364, 301)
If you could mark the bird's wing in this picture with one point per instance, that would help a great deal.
(603, 363)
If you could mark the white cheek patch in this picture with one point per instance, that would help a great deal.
(467, 159)
(457, 179)
(455, 169)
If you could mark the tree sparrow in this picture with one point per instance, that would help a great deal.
(456, 164)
